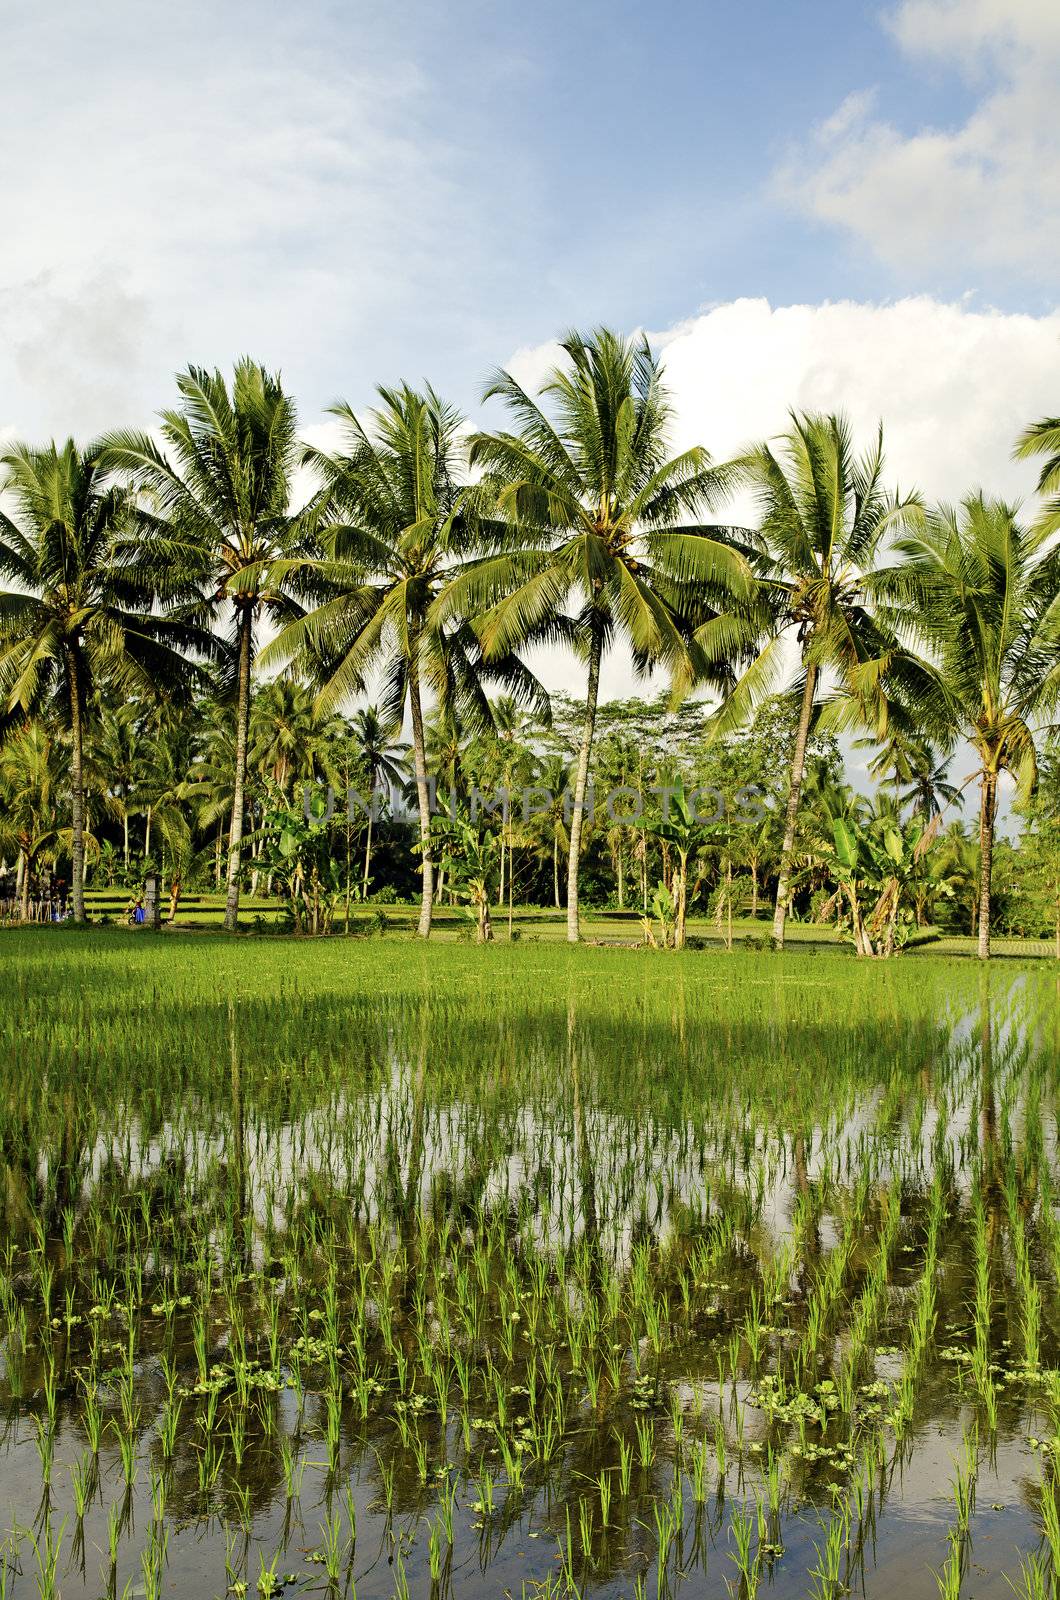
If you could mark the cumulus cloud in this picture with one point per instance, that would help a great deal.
(952, 385)
(980, 195)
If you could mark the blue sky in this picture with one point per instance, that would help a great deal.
(357, 193)
(829, 204)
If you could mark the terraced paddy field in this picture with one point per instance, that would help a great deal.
(366, 1269)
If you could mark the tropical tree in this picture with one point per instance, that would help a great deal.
(117, 747)
(209, 782)
(81, 615)
(470, 851)
(681, 828)
(548, 817)
(982, 594)
(214, 501)
(1043, 439)
(34, 770)
(877, 864)
(288, 738)
(395, 541)
(824, 516)
(916, 772)
(597, 514)
(381, 757)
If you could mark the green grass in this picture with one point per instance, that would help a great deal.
(544, 924)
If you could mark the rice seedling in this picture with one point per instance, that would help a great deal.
(542, 1274)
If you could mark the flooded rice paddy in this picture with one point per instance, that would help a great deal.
(367, 1270)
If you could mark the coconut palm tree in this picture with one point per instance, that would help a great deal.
(916, 772)
(395, 540)
(81, 614)
(381, 757)
(210, 781)
(598, 516)
(117, 748)
(288, 738)
(982, 594)
(1043, 439)
(824, 516)
(34, 770)
(214, 501)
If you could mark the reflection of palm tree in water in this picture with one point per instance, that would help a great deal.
(582, 1154)
(989, 1154)
(25, 1195)
(237, 1155)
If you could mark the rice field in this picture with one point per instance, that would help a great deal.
(366, 1269)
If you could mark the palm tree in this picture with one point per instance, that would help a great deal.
(288, 738)
(33, 771)
(824, 516)
(381, 758)
(1043, 439)
(217, 508)
(81, 614)
(553, 781)
(395, 542)
(445, 741)
(117, 750)
(593, 508)
(209, 783)
(981, 593)
(914, 769)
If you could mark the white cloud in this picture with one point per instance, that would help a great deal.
(981, 195)
(198, 181)
(953, 386)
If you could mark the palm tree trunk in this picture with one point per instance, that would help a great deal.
(680, 884)
(24, 863)
(798, 767)
(367, 850)
(754, 889)
(420, 758)
(147, 835)
(77, 787)
(235, 838)
(555, 868)
(581, 784)
(125, 832)
(987, 806)
(511, 884)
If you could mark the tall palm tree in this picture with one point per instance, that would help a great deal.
(82, 612)
(395, 542)
(983, 596)
(381, 757)
(1043, 439)
(824, 516)
(597, 514)
(118, 750)
(289, 740)
(913, 769)
(209, 783)
(445, 740)
(215, 500)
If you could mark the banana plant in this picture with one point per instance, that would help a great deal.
(469, 856)
(876, 865)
